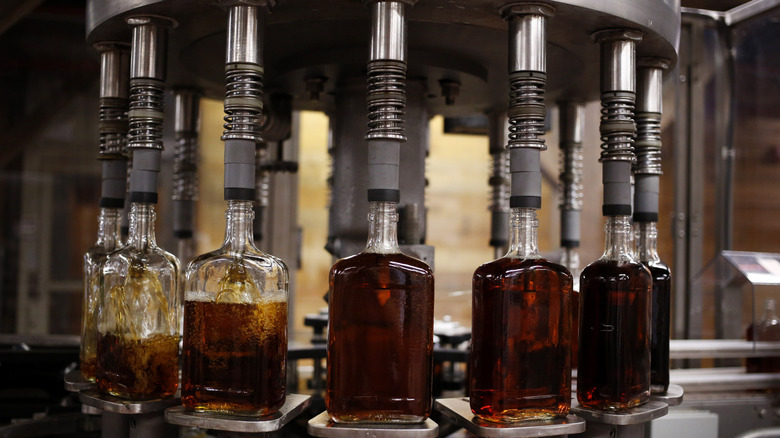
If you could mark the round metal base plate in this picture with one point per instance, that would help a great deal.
(672, 397)
(322, 426)
(74, 382)
(293, 406)
(640, 414)
(109, 403)
(459, 411)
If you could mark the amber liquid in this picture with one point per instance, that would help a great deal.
(521, 341)
(614, 357)
(380, 339)
(234, 357)
(138, 369)
(575, 327)
(659, 341)
(768, 330)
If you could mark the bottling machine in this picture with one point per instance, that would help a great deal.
(392, 71)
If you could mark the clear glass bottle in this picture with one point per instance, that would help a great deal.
(140, 315)
(108, 239)
(520, 362)
(380, 334)
(767, 329)
(613, 370)
(571, 261)
(234, 357)
(646, 235)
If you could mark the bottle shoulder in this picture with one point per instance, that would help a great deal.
(366, 262)
(152, 256)
(255, 260)
(512, 267)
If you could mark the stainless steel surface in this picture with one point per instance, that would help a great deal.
(459, 411)
(116, 405)
(293, 406)
(725, 382)
(114, 67)
(571, 126)
(466, 44)
(650, 85)
(638, 415)
(388, 30)
(767, 432)
(528, 36)
(187, 110)
(721, 349)
(75, 383)
(748, 10)
(321, 426)
(149, 46)
(244, 34)
(672, 397)
(618, 59)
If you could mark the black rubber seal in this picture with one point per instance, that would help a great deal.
(525, 202)
(616, 210)
(112, 202)
(498, 242)
(143, 197)
(384, 195)
(645, 217)
(567, 243)
(239, 194)
(182, 234)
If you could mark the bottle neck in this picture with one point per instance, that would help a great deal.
(142, 217)
(239, 226)
(109, 222)
(523, 238)
(646, 234)
(382, 228)
(617, 245)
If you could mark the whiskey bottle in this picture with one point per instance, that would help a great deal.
(520, 361)
(380, 337)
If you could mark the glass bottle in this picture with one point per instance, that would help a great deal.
(234, 357)
(380, 336)
(613, 370)
(571, 261)
(520, 359)
(139, 324)
(765, 329)
(108, 239)
(647, 248)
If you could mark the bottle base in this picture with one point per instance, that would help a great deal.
(230, 409)
(521, 415)
(612, 406)
(377, 418)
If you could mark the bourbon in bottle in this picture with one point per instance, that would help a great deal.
(613, 372)
(234, 356)
(520, 361)
(380, 335)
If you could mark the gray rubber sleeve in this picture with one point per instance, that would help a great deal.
(146, 168)
(570, 225)
(183, 215)
(616, 177)
(114, 183)
(383, 162)
(499, 227)
(646, 194)
(239, 164)
(524, 164)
